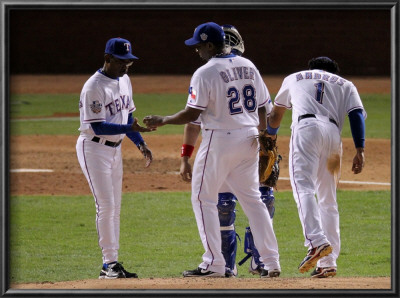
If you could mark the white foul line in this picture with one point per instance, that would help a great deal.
(31, 171)
(280, 178)
(350, 182)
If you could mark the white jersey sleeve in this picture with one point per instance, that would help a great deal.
(283, 98)
(92, 103)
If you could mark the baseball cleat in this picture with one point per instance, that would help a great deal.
(254, 268)
(256, 271)
(323, 272)
(231, 272)
(270, 273)
(199, 272)
(115, 270)
(313, 256)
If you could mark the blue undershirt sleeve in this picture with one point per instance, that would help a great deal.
(107, 128)
(357, 126)
(134, 136)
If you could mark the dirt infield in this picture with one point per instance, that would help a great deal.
(22, 84)
(40, 152)
(218, 283)
(57, 153)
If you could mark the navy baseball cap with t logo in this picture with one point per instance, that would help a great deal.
(207, 32)
(120, 48)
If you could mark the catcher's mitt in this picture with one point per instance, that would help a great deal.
(268, 166)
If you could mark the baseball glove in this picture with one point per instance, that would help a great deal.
(268, 167)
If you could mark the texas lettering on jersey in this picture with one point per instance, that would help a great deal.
(121, 103)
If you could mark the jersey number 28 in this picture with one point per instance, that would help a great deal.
(249, 99)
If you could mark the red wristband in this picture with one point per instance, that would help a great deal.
(187, 150)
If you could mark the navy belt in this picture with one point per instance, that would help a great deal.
(107, 143)
(313, 116)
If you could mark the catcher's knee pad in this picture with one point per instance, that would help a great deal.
(226, 209)
(267, 196)
(228, 247)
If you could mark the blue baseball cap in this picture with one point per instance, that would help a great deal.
(207, 32)
(120, 48)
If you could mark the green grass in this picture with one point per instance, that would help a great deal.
(53, 238)
(26, 112)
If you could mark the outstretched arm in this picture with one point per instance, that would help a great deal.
(182, 117)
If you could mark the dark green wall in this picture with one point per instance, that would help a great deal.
(72, 41)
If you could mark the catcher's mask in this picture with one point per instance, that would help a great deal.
(233, 39)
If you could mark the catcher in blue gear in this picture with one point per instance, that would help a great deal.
(227, 200)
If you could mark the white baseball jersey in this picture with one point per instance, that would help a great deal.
(318, 92)
(316, 151)
(229, 90)
(105, 99)
(235, 89)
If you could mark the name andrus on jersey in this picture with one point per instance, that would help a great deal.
(308, 75)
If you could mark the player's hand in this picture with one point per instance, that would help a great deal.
(358, 161)
(146, 153)
(153, 121)
(186, 169)
(137, 127)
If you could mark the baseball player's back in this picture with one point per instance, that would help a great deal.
(319, 99)
(230, 96)
(232, 102)
(318, 92)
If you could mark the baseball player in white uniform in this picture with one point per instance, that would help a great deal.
(106, 107)
(229, 95)
(320, 99)
(226, 199)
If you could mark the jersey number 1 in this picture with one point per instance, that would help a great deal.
(319, 94)
(249, 100)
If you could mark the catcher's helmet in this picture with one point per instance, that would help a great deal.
(233, 39)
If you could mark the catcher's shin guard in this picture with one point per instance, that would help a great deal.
(226, 212)
(251, 251)
(267, 196)
(228, 247)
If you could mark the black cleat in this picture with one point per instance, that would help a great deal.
(199, 272)
(270, 273)
(115, 270)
